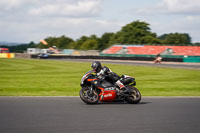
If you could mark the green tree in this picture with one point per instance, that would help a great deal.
(150, 40)
(86, 43)
(104, 40)
(196, 44)
(32, 44)
(89, 44)
(176, 39)
(135, 33)
(79, 42)
(64, 42)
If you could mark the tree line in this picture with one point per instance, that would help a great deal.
(136, 32)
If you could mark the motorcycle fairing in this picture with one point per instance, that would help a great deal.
(107, 95)
(88, 74)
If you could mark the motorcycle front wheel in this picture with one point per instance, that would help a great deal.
(89, 97)
(134, 96)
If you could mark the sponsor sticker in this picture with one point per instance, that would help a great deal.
(109, 88)
(108, 95)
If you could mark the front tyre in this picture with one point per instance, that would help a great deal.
(88, 97)
(134, 96)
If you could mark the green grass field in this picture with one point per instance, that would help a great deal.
(33, 77)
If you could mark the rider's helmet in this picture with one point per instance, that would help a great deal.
(96, 66)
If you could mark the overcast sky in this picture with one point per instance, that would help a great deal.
(32, 20)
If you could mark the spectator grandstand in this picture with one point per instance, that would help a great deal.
(153, 50)
(113, 49)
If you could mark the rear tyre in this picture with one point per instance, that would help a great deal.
(88, 97)
(134, 96)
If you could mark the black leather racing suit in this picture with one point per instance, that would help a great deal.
(107, 74)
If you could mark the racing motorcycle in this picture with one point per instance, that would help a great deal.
(94, 90)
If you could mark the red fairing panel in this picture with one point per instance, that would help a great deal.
(108, 95)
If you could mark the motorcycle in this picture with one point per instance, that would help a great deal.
(94, 90)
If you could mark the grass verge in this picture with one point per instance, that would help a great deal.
(32, 77)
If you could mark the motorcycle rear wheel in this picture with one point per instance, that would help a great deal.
(87, 97)
(134, 97)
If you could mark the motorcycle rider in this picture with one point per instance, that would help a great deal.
(103, 71)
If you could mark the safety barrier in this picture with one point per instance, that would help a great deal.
(7, 55)
(176, 58)
(192, 59)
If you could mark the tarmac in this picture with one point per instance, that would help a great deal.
(140, 63)
(71, 115)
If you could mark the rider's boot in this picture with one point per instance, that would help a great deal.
(121, 85)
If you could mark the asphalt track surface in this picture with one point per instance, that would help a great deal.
(71, 115)
(140, 63)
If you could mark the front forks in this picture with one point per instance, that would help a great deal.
(91, 93)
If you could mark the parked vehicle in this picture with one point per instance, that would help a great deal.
(42, 56)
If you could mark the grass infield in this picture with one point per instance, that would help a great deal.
(33, 77)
